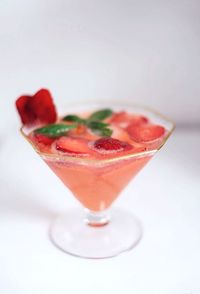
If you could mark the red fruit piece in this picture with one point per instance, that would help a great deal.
(139, 120)
(72, 145)
(43, 106)
(26, 113)
(119, 117)
(146, 132)
(123, 119)
(109, 145)
(39, 138)
(39, 107)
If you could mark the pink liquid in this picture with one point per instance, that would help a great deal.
(97, 181)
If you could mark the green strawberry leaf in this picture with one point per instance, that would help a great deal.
(100, 114)
(54, 130)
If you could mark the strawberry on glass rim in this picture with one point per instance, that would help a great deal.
(37, 108)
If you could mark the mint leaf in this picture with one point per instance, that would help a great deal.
(96, 125)
(101, 114)
(73, 118)
(54, 130)
(106, 132)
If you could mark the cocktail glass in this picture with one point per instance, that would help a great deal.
(98, 231)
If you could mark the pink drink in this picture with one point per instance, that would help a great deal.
(97, 168)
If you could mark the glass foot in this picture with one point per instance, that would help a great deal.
(73, 235)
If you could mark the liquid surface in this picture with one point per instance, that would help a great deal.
(130, 134)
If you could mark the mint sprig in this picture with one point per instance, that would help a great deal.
(54, 130)
(94, 121)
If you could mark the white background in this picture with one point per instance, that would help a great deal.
(145, 51)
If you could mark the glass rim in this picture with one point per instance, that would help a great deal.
(68, 158)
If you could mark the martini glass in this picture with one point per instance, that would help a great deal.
(97, 230)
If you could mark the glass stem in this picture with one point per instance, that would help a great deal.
(97, 218)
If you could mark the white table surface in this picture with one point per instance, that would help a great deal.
(165, 196)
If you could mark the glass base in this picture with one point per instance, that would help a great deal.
(74, 236)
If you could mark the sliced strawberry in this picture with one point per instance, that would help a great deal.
(146, 132)
(109, 145)
(123, 118)
(39, 107)
(24, 109)
(72, 145)
(119, 117)
(43, 106)
(139, 120)
(40, 138)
